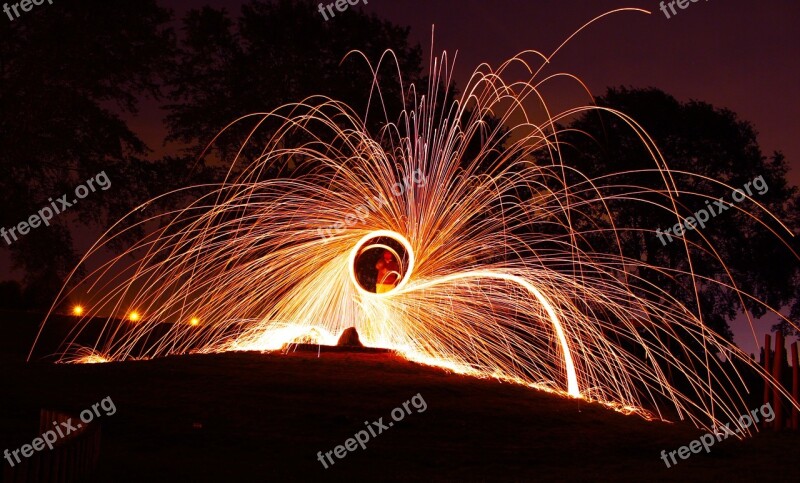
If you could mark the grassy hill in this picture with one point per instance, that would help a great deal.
(263, 417)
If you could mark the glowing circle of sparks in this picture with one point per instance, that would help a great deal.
(357, 250)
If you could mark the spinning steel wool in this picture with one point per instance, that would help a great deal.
(497, 278)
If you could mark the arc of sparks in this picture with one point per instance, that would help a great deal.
(572, 377)
(497, 284)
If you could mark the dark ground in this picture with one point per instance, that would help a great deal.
(265, 416)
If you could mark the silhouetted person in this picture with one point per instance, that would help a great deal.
(388, 273)
(349, 338)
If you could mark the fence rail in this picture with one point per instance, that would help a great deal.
(73, 457)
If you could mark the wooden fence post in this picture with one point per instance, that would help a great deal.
(777, 370)
(795, 385)
(767, 367)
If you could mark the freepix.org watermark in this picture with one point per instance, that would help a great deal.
(24, 5)
(60, 431)
(375, 428)
(48, 212)
(682, 4)
(361, 212)
(341, 6)
(711, 210)
(707, 440)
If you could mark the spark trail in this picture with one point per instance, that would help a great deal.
(498, 278)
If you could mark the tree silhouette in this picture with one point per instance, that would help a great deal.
(693, 137)
(67, 76)
(276, 53)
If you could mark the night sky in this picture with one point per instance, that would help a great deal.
(737, 54)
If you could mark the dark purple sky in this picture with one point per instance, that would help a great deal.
(739, 54)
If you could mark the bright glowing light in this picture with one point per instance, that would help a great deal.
(92, 359)
(194, 321)
(277, 335)
(77, 310)
(501, 279)
(85, 356)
